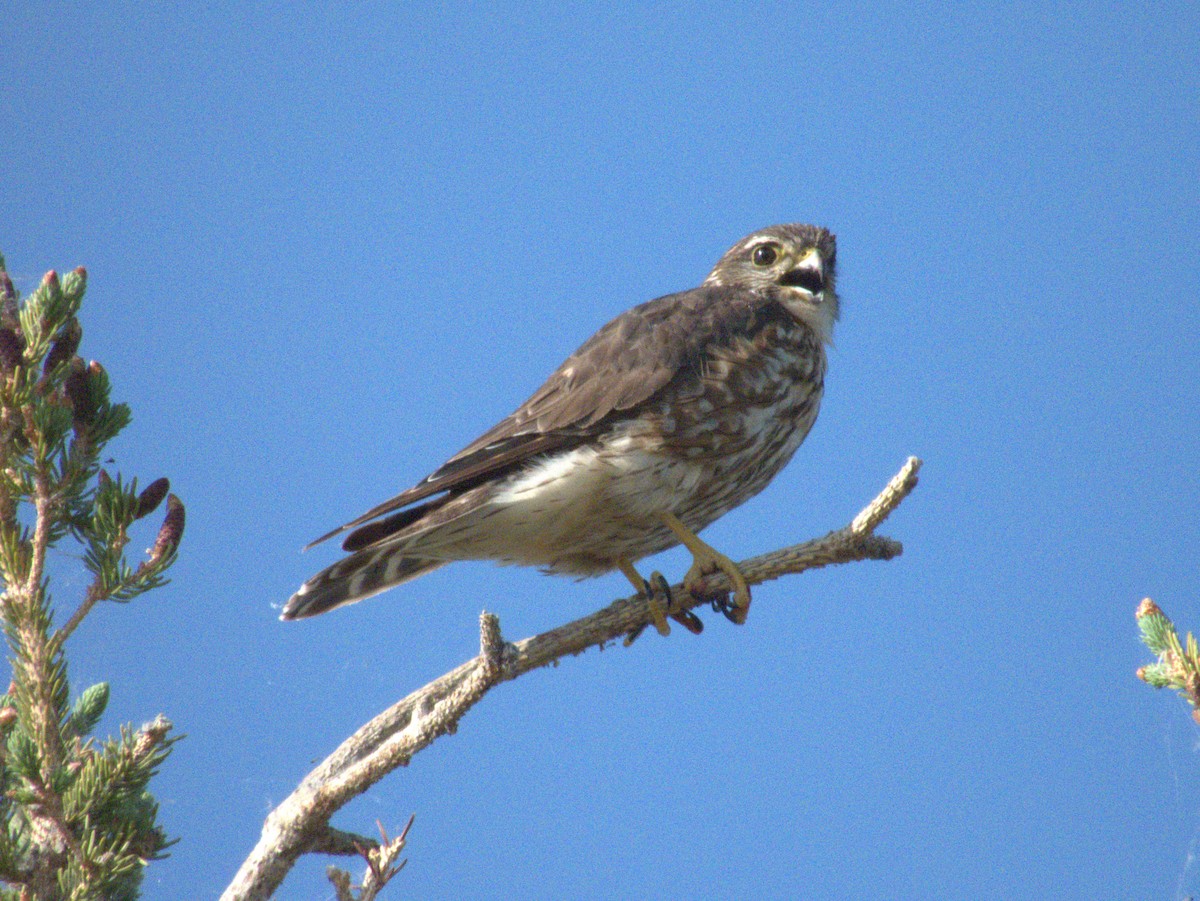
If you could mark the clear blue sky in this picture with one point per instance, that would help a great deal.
(328, 246)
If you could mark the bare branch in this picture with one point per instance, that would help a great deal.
(391, 739)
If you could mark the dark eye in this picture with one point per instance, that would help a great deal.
(765, 254)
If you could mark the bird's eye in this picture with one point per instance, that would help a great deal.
(765, 254)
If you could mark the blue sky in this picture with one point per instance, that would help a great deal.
(329, 246)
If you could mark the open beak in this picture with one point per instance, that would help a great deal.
(808, 273)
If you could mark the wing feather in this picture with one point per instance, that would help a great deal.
(625, 364)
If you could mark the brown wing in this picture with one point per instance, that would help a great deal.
(485, 464)
(623, 365)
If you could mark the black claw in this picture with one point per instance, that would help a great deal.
(685, 618)
(689, 621)
(658, 585)
(722, 606)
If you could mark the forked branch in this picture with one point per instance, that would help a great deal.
(300, 824)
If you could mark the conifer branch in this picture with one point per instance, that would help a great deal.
(77, 819)
(1178, 664)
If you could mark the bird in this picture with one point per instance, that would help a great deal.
(668, 417)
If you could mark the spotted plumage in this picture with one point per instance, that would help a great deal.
(671, 415)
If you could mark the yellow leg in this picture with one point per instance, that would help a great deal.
(643, 588)
(706, 560)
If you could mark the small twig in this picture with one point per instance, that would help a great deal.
(391, 739)
(94, 596)
(381, 863)
(165, 545)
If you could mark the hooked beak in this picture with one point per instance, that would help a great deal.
(808, 273)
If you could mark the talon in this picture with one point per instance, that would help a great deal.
(707, 560)
(658, 585)
(633, 636)
(688, 620)
(723, 606)
(651, 591)
(685, 618)
(656, 589)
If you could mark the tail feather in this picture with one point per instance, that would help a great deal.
(355, 578)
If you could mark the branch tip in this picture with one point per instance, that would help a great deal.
(491, 642)
(1147, 608)
(900, 487)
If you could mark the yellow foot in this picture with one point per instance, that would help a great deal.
(707, 560)
(656, 592)
(660, 588)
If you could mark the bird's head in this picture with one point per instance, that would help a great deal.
(794, 264)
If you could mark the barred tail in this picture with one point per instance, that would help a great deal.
(359, 576)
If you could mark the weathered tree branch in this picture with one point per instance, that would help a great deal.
(300, 824)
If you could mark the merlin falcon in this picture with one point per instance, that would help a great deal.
(671, 415)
